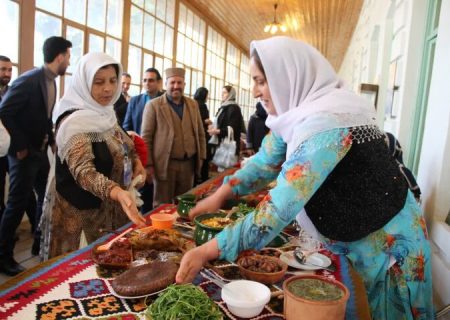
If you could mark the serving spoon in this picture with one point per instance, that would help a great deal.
(107, 246)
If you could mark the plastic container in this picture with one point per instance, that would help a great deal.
(162, 220)
(250, 301)
(297, 308)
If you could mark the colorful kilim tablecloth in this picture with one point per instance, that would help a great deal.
(75, 288)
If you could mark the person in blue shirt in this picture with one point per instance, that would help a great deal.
(333, 172)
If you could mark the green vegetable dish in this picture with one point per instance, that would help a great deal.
(183, 302)
(317, 290)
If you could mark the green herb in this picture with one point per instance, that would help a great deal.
(244, 209)
(183, 302)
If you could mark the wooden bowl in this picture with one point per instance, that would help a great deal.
(264, 277)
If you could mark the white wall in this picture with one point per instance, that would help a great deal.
(401, 25)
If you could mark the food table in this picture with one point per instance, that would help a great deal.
(73, 287)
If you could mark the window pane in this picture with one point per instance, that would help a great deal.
(67, 81)
(161, 9)
(189, 21)
(149, 31)
(150, 6)
(53, 6)
(201, 39)
(148, 62)
(96, 43)
(114, 18)
(97, 14)
(114, 48)
(180, 48)
(9, 30)
(75, 10)
(76, 36)
(159, 37)
(160, 65)
(134, 64)
(167, 63)
(136, 19)
(139, 3)
(45, 26)
(182, 19)
(134, 89)
(187, 79)
(170, 12)
(168, 42)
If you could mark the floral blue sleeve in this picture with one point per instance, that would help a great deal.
(301, 175)
(262, 168)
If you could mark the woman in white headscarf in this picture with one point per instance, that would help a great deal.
(228, 115)
(334, 174)
(95, 160)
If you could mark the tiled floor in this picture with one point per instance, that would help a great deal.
(22, 251)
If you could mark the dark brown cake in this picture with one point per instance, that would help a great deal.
(145, 279)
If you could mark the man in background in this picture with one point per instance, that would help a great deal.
(26, 112)
(173, 130)
(120, 107)
(151, 83)
(5, 78)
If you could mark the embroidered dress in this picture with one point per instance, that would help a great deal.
(394, 261)
(68, 221)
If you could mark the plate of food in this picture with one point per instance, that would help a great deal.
(314, 261)
(144, 280)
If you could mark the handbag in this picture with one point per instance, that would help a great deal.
(225, 156)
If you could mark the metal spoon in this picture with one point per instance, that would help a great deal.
(301, 258)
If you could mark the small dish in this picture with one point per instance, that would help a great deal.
(257, 296)
(317, 261)
(265, 277)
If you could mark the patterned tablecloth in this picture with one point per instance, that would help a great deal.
(73, 287)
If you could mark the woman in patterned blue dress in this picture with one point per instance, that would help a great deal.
(333, 172)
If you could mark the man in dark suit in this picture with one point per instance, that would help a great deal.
(5, 78)
(26, 112)
(121, 105)
(133, 120)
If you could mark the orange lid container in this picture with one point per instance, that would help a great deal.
(162, 220)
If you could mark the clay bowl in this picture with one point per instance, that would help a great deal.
(263, 277)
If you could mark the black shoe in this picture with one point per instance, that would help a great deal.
(36, 248)
(10, 267)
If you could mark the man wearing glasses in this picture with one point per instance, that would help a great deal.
(133, 118)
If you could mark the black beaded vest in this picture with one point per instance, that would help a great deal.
(66, 185)
(364, 191)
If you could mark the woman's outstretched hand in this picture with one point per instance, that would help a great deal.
(128, 205)
(213, 203)
(194, 260)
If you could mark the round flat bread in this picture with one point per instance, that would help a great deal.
(145, 279)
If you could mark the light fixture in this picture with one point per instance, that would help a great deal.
(274, 26)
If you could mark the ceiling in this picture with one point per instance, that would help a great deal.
(326, 24)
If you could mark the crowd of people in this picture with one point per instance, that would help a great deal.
(337, 173)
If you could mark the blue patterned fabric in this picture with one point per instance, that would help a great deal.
(394, 261)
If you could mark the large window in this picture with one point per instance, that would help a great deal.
(151, 38)
(209, 58)
(191, 47)
(91, 25)
(215, 68)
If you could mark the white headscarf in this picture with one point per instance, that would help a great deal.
(91, 117)
(231, 98)
(303, 84)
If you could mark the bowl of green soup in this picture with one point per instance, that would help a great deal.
(315, 297)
